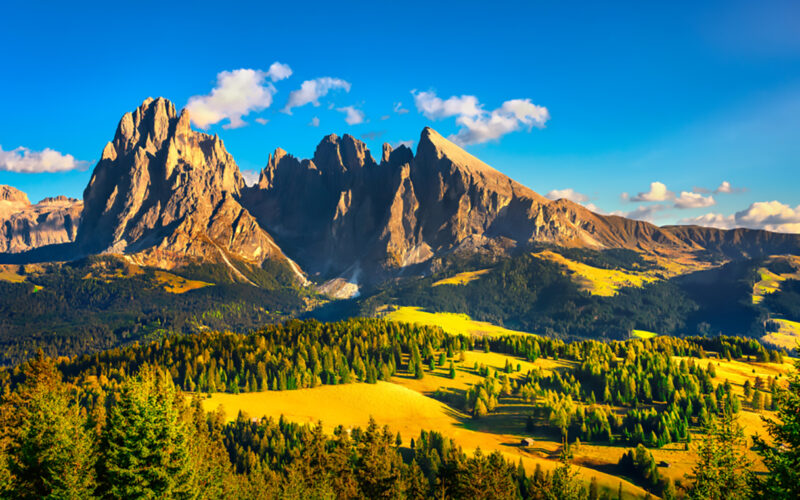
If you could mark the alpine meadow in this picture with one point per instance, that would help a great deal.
(381, 250)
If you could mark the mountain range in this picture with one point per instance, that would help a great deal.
(166, 196)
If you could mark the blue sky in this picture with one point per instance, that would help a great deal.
(598, 98)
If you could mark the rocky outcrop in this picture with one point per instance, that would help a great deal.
(168, 196)
(24, 226)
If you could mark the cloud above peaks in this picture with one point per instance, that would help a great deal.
(353, 115)
(569, 194)
(689, 199)
(237, 93)
(23, 160)
(478, 125)
(314, 122)
(768, 215)
(311, 91)
(658, 192)
(435, 108)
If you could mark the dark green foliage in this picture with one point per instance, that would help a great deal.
(145, 446)
(786, 301)
(48, 447)
(67, 311)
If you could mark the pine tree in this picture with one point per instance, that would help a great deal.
(722, 472)
(145, 450)
(50, 450)
(782, 455)
(452, 370)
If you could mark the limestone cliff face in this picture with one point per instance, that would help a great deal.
(344, 216)
(24, 226)
(168, 195)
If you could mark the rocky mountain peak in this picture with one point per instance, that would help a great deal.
(12, 194)
(168, 194)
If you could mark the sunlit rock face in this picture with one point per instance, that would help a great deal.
(168, 195)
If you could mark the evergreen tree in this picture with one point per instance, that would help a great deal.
(722, 472)
(145, 450)
(782, 455)
(50, 450)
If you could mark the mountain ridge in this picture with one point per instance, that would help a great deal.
(167, 196)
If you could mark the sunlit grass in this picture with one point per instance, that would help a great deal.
(462, 278)
(450, 322)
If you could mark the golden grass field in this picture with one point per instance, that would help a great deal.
(404, 410)
(462, 278)
(450, 322)
(10, 273)
(787, 337)
(178, 284)
(770, 282)
(597, 281)
(406, 405)
(643, 334)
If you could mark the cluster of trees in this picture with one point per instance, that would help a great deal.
(142, 440)
(296, 354)
(95, 304)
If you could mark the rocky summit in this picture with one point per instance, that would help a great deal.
(168, 196)
(25, 226)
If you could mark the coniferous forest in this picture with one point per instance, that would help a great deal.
(129, 423)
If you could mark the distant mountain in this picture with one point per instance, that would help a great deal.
(24, 227)
(352, 220)
(168, 196)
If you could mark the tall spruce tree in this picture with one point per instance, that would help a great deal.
(145, 448)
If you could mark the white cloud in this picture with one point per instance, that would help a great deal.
(711, 220)
(385, 117)
(314, 122)
(311, 91)
(262, 121)
(693, 200)
(353, 115)
(34, 162)
(658, 192)
(278, 71)
(768, 215)
(237, 93)
(434, 108)
(478, 125)
(399, 109)
(569, 194)
(250, 177)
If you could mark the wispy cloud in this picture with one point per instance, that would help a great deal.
(314, 122)
(569, 194)
(311, 91)
(237, 93)
(353, 115)
(399, 109)
(34, 162)
(372, 135)
(476, 124)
